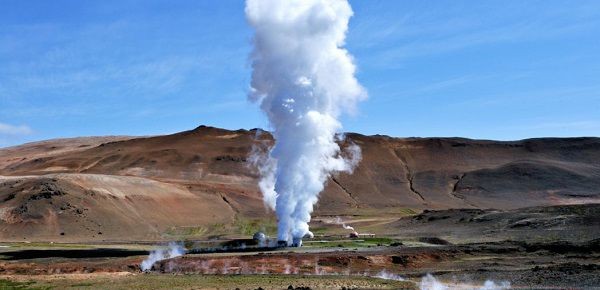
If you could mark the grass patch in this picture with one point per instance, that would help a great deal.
(169, 281)
(47, 245)
(240, 226)
(10, 285)
(247, 227)
(408, 211)
(186, 232)
(319, 230)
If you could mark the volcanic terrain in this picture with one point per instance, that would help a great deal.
(199, 183)
(85, 212)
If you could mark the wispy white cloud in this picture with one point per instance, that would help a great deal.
(83, 60)
(589, 94)
(8, 129)
(514, 33)
(433, 88)
(157, 76)
(392, 40)
(568, 125)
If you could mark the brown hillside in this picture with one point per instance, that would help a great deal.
(199, 180)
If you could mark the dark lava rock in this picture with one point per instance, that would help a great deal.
(9, 197)
(47, 191)
(402, 260)
(434, 241)
(230, 158)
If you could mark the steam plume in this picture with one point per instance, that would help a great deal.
(389, 276)
(303, 80)
(339, 221)
(431, 283)
(174, 250)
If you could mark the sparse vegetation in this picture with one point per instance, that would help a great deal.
(247, 227)
(186, 232)
(158, 281)
(42, 245)
(10, 285)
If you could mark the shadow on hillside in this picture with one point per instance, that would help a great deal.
(71, 254)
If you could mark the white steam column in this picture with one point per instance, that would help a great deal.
(303, 80)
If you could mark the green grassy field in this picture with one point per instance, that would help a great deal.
(10, 285)
(165, 281)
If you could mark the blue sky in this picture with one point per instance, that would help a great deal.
(479, 69)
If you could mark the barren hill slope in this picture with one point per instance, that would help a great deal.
(200, 179)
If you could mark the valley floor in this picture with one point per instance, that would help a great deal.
(536, 248)
(539, 266)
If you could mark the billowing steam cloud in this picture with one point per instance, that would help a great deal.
(303, 80)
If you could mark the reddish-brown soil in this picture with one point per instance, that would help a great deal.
(522, 264)
(125, 188)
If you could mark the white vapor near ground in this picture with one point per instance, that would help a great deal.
(172, 251)
(339, 221)
(303, 80)
(389, 276)
(429, 282)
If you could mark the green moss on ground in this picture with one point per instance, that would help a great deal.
(10, 285)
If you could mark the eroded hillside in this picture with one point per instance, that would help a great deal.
(199, 181)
